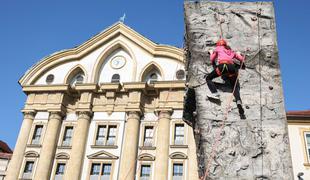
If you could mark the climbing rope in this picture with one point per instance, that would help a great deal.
(217, 139)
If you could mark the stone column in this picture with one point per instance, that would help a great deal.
(192, 157)
(162, 145)
(130, 146)
(75, 163)
(19, 150)
(44, 167)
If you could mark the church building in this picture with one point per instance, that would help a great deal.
(110, 108)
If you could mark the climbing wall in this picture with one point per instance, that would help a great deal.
(256, 147)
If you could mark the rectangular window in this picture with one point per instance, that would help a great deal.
(179, 134)
(37, 134)
(177, 171)
(307, 139)
(106, 171)
(28, 170)
(148, 136)
(145, 172)
(60, 171)
(111, 135)
(100, 171)
(100, 139)
(67, 136)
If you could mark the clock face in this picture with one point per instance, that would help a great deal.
(118, 62)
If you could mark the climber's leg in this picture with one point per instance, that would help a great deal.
(214, 74)
(234, 81)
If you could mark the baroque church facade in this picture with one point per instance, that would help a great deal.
(110, 108)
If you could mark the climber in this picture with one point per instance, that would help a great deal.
(225, 67)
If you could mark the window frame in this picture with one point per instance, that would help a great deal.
(35, 134)
(106, 136)
(62, 134)
(65, 136)
(140, 169)
(33, 127)
(142, 132)
(32, 159)
(178, 161)
(303, 132)
(101, 162)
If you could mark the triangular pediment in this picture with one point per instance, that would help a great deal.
(102, 155)
(108, 35)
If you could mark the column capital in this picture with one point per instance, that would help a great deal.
(56, 115)
(163, 112)
(29, 114)
(134, 114)
(85, 114)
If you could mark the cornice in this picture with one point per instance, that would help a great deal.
(77, 53)
(86, 87)
(110, 87)
(45, 88)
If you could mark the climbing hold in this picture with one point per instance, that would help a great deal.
(222, 20)
(268, 55)
(254, 18)
(270, 87)
(247, 107)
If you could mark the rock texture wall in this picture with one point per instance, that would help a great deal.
(256, 147)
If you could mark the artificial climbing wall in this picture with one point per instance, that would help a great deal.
(256, 147)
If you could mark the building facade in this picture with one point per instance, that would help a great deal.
(299, 132)
(110, 108)
(5, 157)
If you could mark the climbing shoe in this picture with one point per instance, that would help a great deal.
(241, 110)
(215, 96)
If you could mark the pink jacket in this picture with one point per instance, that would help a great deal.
(224, 55)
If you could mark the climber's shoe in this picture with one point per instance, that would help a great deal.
(241, 110)
(215, 96)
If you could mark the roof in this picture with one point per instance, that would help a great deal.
(7, 152)
(300, 114)
(4, 147)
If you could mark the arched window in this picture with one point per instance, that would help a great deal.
(77, 79)
(153, 77)
(115, 78)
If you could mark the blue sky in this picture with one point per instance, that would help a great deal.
(33, 29)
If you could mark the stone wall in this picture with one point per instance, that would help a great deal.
(256, 147)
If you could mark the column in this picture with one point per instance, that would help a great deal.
(75, 163)
(192, 156)
(21, 143)
(44, 167)
(130, 146)
(162, 145)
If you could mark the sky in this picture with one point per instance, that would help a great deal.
(33, 29)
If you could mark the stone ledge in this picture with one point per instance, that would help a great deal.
(178, 146)
(147, 147)
(34, 145)
(64, 147)
(104, 146)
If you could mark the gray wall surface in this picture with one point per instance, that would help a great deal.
(256, 147)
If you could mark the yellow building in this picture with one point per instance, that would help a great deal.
(299, 133)
(110, 108)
